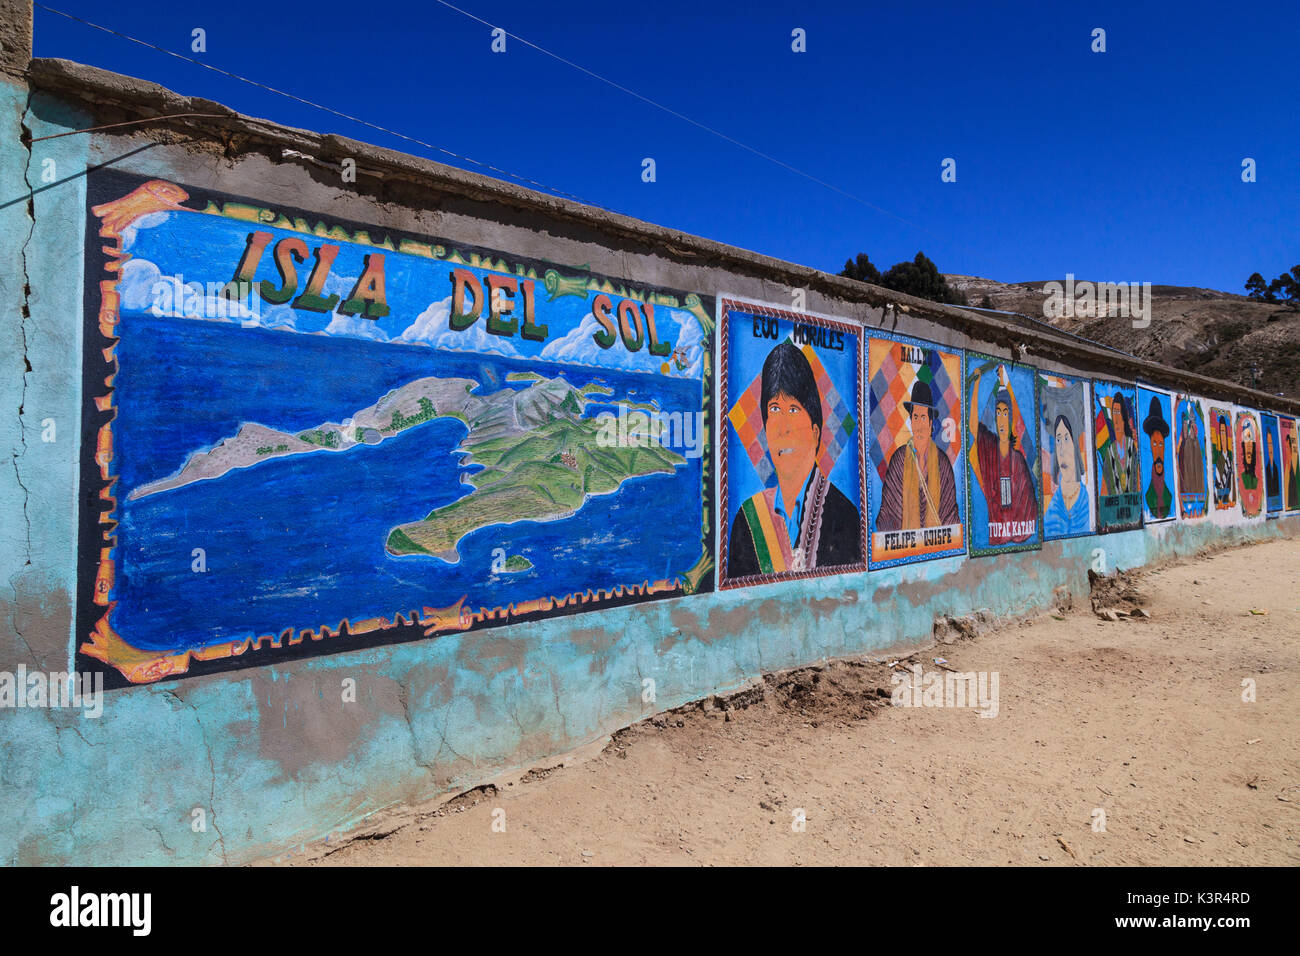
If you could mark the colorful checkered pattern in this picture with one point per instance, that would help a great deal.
(891, 386)
(746, 418)
(838, 423)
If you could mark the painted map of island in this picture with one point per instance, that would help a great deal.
(540, 457)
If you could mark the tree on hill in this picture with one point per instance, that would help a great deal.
(1285, 289)
(861, 269)
(920, 278)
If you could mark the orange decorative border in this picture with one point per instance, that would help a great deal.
(141, 666)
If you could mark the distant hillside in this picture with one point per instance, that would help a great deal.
(1200, 330)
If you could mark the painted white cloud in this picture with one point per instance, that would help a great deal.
(579, 346)
(354, 326)
(430, 328)
(144, 222)
(144, 288)
(274, 317)
(136, 284)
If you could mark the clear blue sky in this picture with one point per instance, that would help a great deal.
(1122, 166)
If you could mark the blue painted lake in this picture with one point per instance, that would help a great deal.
(299, 541)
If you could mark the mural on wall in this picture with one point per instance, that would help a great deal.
(1272, 462)
(1189, 457)
(1157, 455)
(914, 439)
(1003, 503)
(1223, 460)
(1119, 467)
(1287, 427)
(1067, 479)
(1250, 472)
(310, 436)
(791, 475)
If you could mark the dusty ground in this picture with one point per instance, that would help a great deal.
(1141, 718)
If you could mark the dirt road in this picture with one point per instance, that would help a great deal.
(1142, 720)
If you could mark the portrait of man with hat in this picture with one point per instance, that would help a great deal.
(919, 490)
(1159, 499)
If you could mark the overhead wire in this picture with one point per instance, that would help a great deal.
(523, 179)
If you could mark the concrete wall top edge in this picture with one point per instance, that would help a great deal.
(114, 98)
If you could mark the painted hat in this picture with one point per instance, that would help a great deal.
(920, 396)
(1155, 419)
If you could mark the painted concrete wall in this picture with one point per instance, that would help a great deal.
(271, 754)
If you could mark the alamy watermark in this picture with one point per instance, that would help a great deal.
(639, 429)
(975, 689)
(1086, 300)
(130, 910)
(173, 296)
(55, 689)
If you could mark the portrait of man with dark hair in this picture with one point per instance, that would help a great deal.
(1120, 455)
(1272, 465)
(1159, 497)
(805, 517)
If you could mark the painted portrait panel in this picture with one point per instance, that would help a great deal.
(1003, 504)
(1223, 459)
(1156, 408)
(1272, 462)
(1290, 438)
(792, 474)
(1250, 470)
(1065, 437)
(1189, 457)
(1119, 465)
(914, 441)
